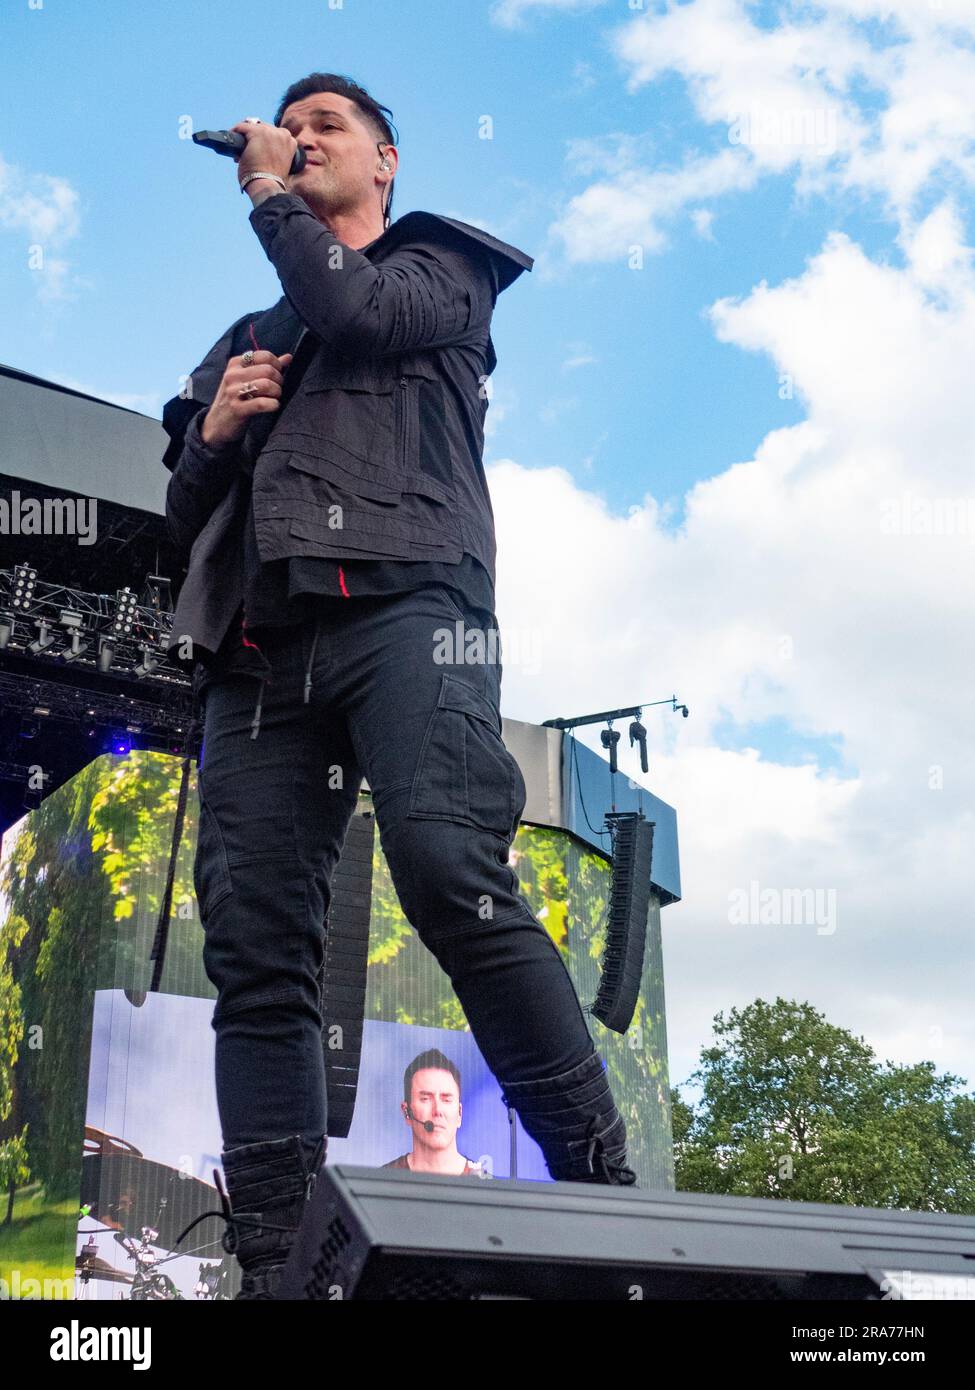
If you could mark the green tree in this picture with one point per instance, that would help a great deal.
(794, 1107)
(14, 1169)
(84, 882)
(14, 1166)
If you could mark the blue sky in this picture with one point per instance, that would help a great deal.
(669, 518)
(165, 258)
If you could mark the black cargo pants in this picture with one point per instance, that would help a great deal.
(382, 703)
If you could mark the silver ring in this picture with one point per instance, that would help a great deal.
(248, 391)
(252, 120)
(248, 358)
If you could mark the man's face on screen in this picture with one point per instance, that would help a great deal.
(342, 154)
(437, 1099)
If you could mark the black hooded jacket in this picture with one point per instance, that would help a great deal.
(376, 452)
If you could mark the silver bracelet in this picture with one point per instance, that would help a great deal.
(259, 175)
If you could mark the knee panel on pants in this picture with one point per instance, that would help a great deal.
(264, 941)
(452, 880)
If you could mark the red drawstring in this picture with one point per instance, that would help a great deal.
(244, 638)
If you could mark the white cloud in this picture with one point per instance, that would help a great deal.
(43, 211)
(703, 219)
(635, 207)
(580, 356)
(836, 101)
(582, 75)
(783, 88)
(821, 92)
(788, 594)
(937, 252)
(501, 401)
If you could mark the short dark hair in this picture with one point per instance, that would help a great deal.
(433, 1057)
(378, 118)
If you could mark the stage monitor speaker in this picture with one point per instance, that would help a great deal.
(629, 907)
(388, 1234)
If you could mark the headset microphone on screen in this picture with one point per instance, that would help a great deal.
(428, 1125)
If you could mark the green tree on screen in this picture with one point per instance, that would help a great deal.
(84, 882)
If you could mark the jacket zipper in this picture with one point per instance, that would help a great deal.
(403, 422)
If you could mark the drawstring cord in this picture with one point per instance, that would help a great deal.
(311, 658)
(256, 721)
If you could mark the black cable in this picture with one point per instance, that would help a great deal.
(161, 938)
(582, 803)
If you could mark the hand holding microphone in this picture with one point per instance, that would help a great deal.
(251, 385)
(256, 148)
(269, 150)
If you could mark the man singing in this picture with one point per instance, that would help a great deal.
(328, 487)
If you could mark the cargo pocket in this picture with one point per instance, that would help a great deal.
(211, 871)
(465, 773)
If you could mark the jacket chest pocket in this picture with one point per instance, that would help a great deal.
(421, 443)
(349, 401)
(388, 412)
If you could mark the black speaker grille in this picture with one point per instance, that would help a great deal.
(626, 936)
(325, 1270)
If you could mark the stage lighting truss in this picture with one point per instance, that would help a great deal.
(51, 621)
(159, 715)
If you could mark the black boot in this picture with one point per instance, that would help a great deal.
(574, 1121)
(268, 1185)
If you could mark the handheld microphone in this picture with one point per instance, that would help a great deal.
(428, 1125)
(232, 143)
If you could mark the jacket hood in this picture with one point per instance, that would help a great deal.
(507, 260)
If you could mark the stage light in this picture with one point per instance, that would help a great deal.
(25, 579)
(148, 663)
(124, 619)
(77, 648)
(74, 622)
(43, 639)
(6, 629)
(106, 653)
(29, 727)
